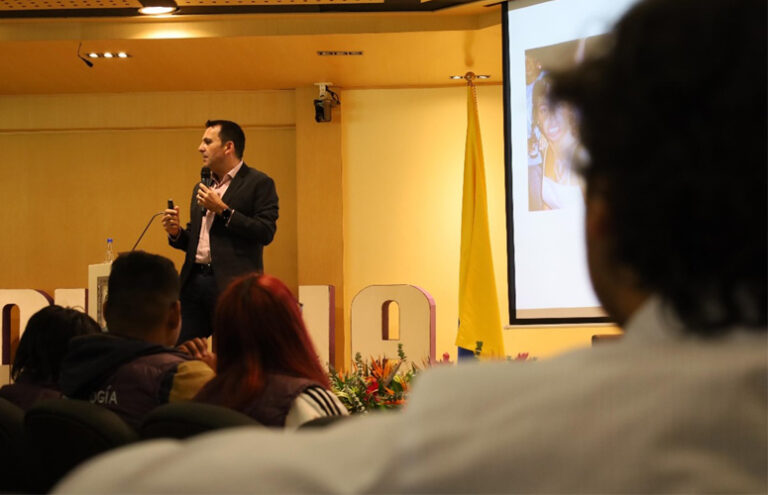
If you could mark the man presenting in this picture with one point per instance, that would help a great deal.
(231, 220)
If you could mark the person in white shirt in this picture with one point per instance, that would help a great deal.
(674, 119)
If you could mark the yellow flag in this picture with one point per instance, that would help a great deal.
(479, 318)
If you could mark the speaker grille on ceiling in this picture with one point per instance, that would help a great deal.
(335, 53)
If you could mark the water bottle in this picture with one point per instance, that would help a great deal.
(110, 251)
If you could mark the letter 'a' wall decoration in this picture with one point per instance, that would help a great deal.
(29, 302)
(72, 298)
(317, 309)
(370, 323)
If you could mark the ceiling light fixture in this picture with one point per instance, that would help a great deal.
(112, 55)
(157, 7)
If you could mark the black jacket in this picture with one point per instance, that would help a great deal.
(236, 247)
(130, 377)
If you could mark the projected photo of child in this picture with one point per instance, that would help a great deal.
(553, 146)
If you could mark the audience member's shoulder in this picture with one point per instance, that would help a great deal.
(682, 363)
(186, 380)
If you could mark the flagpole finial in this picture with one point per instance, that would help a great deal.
(470, 78)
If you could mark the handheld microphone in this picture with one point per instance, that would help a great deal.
(205, 178)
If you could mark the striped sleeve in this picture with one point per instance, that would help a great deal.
(314, 402)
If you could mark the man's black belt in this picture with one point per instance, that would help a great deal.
(203, 269)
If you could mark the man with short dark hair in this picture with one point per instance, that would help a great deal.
(133, 368)
(231, 220)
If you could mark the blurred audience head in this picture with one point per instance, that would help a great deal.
(45, 340)
(673, 116)
(259, 330)
(143, 298)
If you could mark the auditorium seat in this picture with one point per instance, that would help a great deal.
(186, 419)
(13, 456)
(62, 433)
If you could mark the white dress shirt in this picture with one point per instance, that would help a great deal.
(203, 254)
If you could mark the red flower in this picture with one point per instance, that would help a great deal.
(373, 386)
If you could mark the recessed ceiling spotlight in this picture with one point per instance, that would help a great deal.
(156, 10)
(483, 76)
(157, 7)
(456, 77)
(109, 55)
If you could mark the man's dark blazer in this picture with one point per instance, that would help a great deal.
(236, 248)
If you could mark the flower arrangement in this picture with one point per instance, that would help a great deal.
(382, 383)
(374, 384)
(521, 356)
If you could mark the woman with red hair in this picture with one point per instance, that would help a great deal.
(266, 365)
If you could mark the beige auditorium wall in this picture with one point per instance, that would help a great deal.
(320, 202)
(403, 154)
(80, 168)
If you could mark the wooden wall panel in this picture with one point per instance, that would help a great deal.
(70, 179)
(320, 204)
